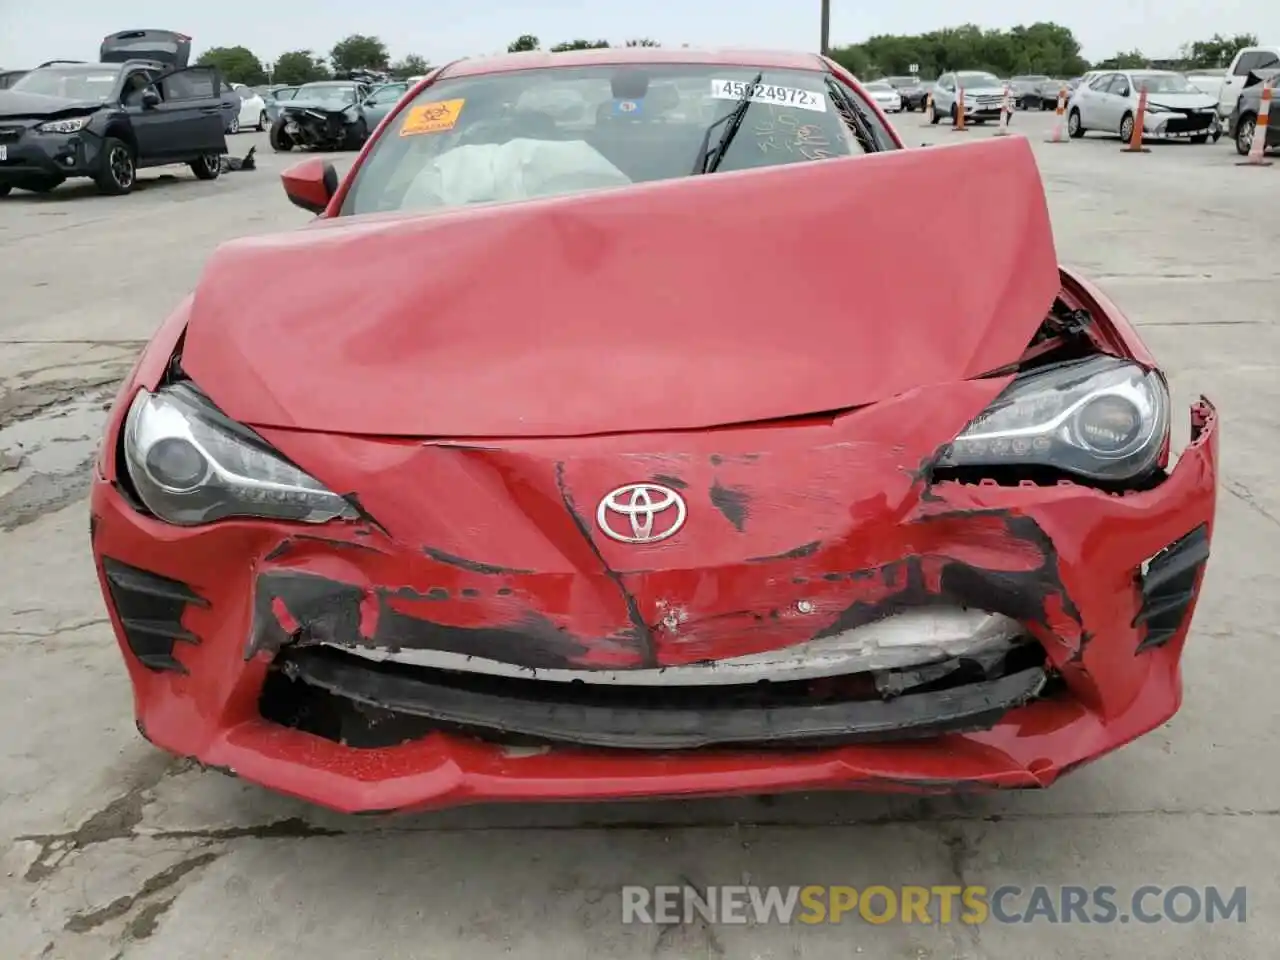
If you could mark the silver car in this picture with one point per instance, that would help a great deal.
(1109, 103)
(885, 95)
(983, 95)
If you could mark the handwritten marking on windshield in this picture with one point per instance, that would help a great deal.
(785, 133)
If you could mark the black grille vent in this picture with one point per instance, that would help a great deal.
(1169, 585)
(150, 608)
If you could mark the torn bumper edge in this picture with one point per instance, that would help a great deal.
(216, 721)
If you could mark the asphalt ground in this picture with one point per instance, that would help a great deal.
(115, 850)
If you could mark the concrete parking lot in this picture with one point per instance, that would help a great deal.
(114, 850)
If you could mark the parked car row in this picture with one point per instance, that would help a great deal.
(1197, 105)
(1030, 92)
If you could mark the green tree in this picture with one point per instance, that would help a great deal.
(644, 42)
(1038, 48)
(236, 64)
(412, 65)
(580, 45)
(1125, 60)
(299, 66)
(1217, 51)
(523, 43)
(358, 52)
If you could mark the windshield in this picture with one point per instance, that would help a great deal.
(880, 86)
(978, 80)
(530, 133)
(88, 82)
(326, 93)
(1163, 83)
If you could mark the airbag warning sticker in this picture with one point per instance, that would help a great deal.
(435, 117)
(768, 93)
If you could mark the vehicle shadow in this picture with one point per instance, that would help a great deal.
(82, 189)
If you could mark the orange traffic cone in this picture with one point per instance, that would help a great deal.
(1135, 139)
(958, 124)
(1258, 148)
(1057, 120)
(1002, 128)
(928, 109)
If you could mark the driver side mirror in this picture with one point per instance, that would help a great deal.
(310, 184)
(150, 98)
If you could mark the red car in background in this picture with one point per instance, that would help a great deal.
(613, 454)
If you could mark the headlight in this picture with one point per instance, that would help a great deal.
(64, 126)
(1102, 418)
(190, 466)
(1156, 108)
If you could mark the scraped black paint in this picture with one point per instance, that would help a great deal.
(733, 502)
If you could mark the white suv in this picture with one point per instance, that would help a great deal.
(983, 94)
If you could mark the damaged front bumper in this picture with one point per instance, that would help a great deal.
(348, 668)
(310, 127)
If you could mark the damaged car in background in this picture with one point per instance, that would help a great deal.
(326, 115)
(402, 537)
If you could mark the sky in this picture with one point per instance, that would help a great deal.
(443, 30)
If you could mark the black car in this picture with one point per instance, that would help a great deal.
(913, 91)
(1025, 90)
(325, 115)
(106, 120)
(1244, 116)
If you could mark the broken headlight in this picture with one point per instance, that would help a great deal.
(1102, 418)
(190, 465)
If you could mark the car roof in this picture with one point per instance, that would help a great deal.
(82, 65)
(622, 56)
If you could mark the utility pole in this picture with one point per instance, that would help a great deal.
(825, 46)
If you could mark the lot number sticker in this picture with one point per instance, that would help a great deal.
(768, 93)
(435, 117)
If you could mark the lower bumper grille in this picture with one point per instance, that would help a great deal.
(364, 704)
(1195, 123)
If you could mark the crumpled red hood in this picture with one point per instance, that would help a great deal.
(705, 301)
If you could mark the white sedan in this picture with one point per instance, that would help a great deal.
(885, 95)
(253, 110)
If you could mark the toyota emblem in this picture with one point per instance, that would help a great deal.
(641, 513)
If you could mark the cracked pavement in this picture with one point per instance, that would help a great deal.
(115, 850)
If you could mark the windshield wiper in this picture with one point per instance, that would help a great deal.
(708, 161)
(852, 116)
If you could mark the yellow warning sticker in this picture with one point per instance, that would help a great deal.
(435, 117)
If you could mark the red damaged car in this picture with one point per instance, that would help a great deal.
(594, 443)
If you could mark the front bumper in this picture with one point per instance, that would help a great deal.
(1179, 124)
(49, 156)
(204, 616)
(313, 127)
